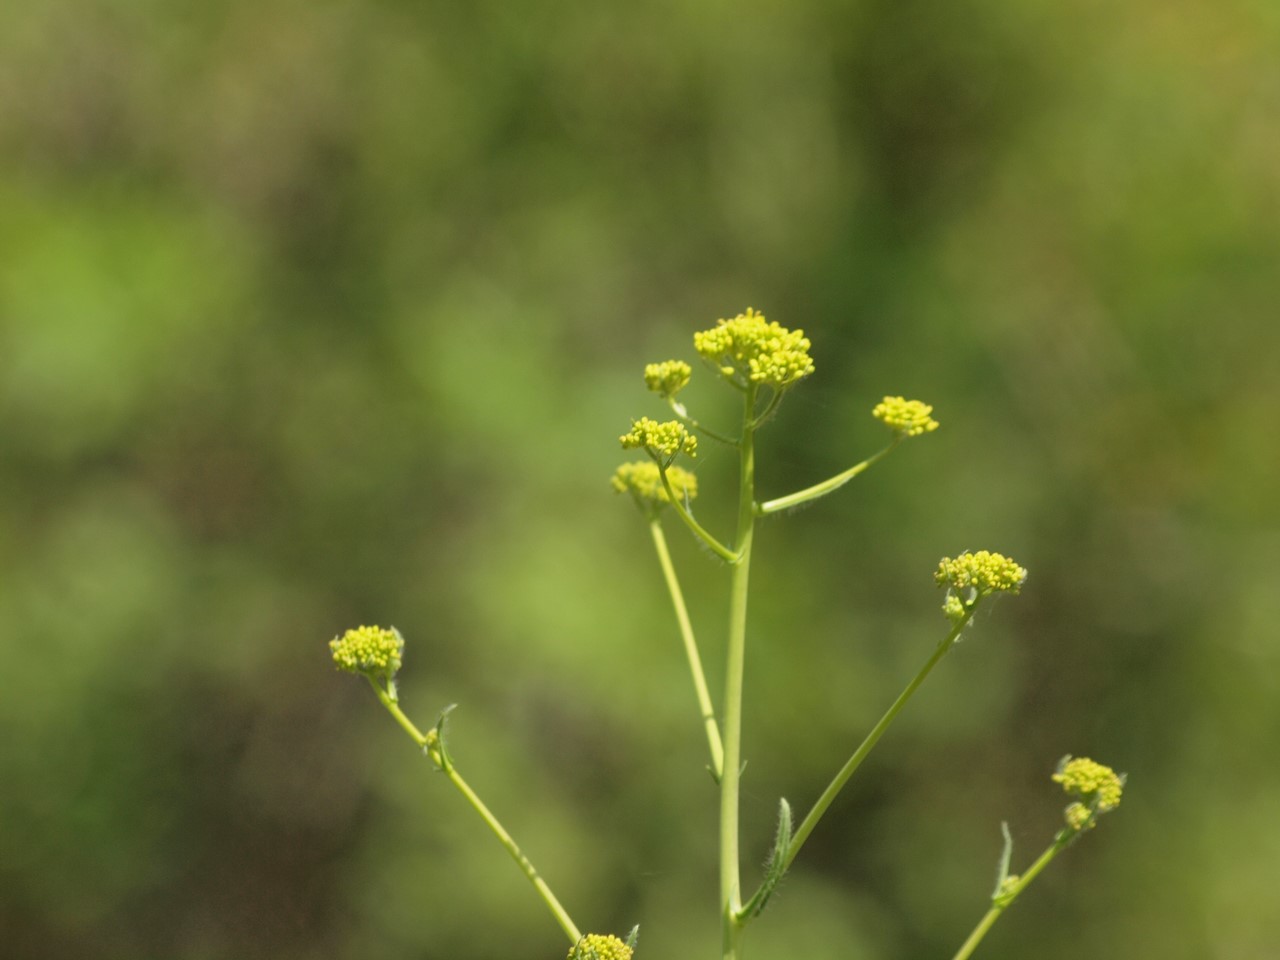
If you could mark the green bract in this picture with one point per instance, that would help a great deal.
(751, 349)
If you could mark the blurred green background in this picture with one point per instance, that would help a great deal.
(317, 314)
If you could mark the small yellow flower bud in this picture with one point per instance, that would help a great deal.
(596, 946)
(663, 440)
(910, 418)
(1079, 817)
(984, 571)
(667, 378)
(751, 349)
(643, 481)
(372, 651)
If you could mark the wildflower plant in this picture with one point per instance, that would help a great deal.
(762, 362)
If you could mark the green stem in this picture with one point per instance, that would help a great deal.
(823, 488)
(1004, 900)
(838, 782)
(431, 744)
(718, 548)
(682, 414)
(730, 884)
(690, 649)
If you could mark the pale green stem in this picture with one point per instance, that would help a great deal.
(730, 884)
(430, 744)
(690, 649)
(679, 410)
(718, 548)
(1003, 902)
(823, 488)
(838, 782)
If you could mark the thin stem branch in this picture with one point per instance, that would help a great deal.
(842, 777)
(718, 548)
(430, 743)
(1003, 901)
(690, 649)
(825, 487)
(682, 415)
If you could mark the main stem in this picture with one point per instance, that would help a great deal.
(730, 883)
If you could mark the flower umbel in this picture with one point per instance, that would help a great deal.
(662, 440)
(667, 378)
(597, 946)
(643, 481)
(373, 651)
(1098, 787)
(908, 418)
(751, 349)
(984, 572)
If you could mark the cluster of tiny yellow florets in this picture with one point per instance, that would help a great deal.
(1098, 785)
(643, 480)
(907, 417)
(369, 650)
(984, 571)
(598, 946)
(668, 377)
(752, 349)
(663, 440)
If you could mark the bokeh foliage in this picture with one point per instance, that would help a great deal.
(314, 314)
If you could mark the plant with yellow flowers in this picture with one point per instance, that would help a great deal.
(762, 362)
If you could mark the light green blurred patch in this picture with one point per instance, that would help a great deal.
(106, 296)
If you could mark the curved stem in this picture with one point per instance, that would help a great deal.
(690, 649)
(840, 779)
(718, 548)
(1002, 903)
(823, 488)
(430, 743)
(682, 414)
(730, 884)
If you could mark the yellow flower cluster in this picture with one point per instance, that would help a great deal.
(1090, 781)
(597, 946)
(660, 439)
(642, 480)
(369, 650)
(984, 571)
(667, 378)
(907, 417)
(750, 348)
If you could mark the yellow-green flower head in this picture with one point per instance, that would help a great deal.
(667, 378)
(985, 572)
(1079, 817)
(750, 348)
(597, 946)
(1097, 785)
(663, 440)
(369, 650)
(910, 418)
(643, 481)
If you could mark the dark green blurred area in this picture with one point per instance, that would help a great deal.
(319, 314)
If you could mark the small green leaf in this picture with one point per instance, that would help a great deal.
(774, 867)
